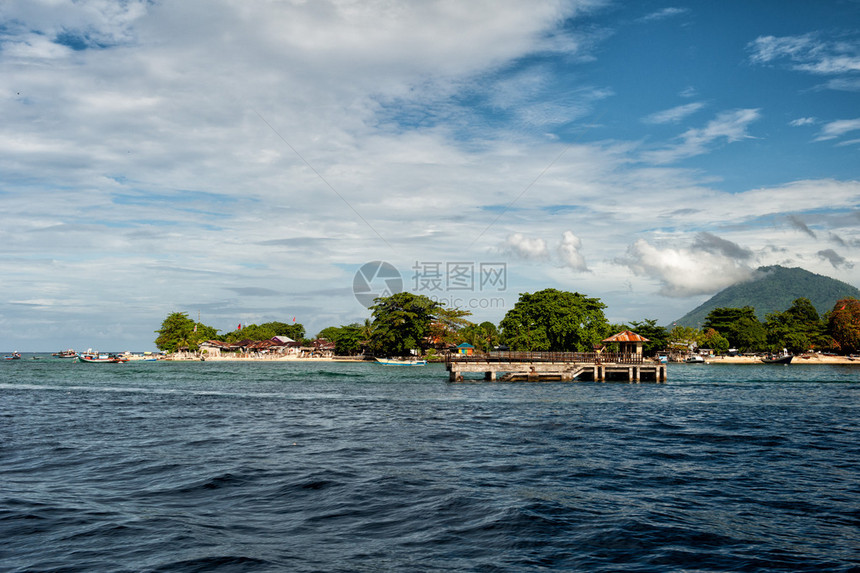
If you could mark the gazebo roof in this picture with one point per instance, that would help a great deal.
(626, 336)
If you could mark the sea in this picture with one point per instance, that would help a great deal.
(326, 466)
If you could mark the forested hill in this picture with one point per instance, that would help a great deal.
(774, 291)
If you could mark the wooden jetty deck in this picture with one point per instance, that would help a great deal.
(556, 366)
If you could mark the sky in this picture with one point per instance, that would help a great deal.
(247, 161)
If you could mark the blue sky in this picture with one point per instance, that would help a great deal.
(243, 160)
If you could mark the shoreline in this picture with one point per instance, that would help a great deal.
(267, 359)
(811, 359)
(801, 359)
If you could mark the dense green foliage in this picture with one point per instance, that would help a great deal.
(350, 339)
(843, 324)
(553, 320)
(773, 289)
(266, 331)
(797, 329)
(401, 323)
(484, 337)
(178, 331)
(712, 339)
(740, 326)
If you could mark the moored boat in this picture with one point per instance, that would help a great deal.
(695, 359)
(95, 358)
(401, 362)
(777, 359)
(65, 354)
(13, 356)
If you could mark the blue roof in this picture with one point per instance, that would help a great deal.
(465, 345)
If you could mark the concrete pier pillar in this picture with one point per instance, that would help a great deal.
(490, 375)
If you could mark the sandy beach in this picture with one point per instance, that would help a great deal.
(802, 359)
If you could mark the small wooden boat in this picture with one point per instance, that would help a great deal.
(777, 359)
(101, 358)
(65, 354)
(401, 362)
(13, 356)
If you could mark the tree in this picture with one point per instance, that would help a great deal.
(448, 324)
(843, 324)
(178, 331)
(295, 330)
(740, 326)
(715, 341)
(657, 336)
(554, 320)
(347, 339)
(401, 322)
(266, 331)
(797, 329)
(482, 336)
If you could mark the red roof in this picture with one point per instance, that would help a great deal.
(626, 336)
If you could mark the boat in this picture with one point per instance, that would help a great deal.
(695, 359)
(777, 359)
(95, 358)
(65, 353)
(13, 356)
(401, 362)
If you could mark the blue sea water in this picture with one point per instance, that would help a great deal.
(361, 467)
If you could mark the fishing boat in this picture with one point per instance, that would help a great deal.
(777, 359)
(695, 359)
(401, 362)
(13, 356)
(95, 358)
(65, 353)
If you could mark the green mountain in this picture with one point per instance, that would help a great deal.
(774, 289)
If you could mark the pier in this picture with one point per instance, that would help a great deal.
(556, 366)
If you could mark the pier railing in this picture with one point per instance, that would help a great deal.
(569, 357)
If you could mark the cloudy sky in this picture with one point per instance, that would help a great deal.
(243, 159)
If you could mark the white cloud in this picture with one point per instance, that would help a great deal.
(528, 248)
(684, 272)
(570, 252)
(675, 114)
(808, 53)
(728, 126)
(664, 14)
(838, 128)
(801, 121)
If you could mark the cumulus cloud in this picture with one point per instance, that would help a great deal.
(570, 252)
(684, 272)
(835, 259)
(527, 248)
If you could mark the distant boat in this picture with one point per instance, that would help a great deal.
(13, 356)
(695, 359)
(65, 353)
(777, 359)
(401, 362)
(100, 358)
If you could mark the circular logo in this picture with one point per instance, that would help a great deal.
(376, 279)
